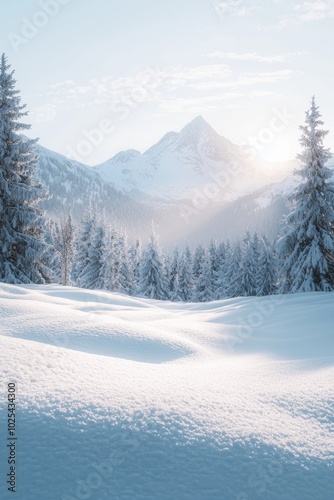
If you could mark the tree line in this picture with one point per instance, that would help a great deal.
(96, 256)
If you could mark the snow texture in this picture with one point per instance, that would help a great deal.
(136, 399)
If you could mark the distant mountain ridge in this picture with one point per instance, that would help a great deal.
(182, 162)
(73, 186)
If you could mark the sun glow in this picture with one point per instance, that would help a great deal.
(281, 149)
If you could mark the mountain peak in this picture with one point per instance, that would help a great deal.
(199, 120)
(198, 125)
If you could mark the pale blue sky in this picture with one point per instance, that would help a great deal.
(137, 69)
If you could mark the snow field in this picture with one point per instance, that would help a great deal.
(130, 398)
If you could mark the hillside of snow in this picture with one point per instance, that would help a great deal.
(132, 399)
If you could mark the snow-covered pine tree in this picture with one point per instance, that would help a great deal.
(134, 260)
(306, 248)
(126, 280)
(22, 225)
(267, 268)
(214, 259)
(64, 246)
(152, 283)
(256, 246)
(95, 271)
(223, 256)
(203, 291)
(173, 272)
(197, 261)
(167, 264)
(234, 272)
(83, 246)
(51, 237)
(185, 278)
(175, 295)
(113, 259)
(249, 282)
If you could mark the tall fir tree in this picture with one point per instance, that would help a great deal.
(267, 268)
(215, 264)
(126, 278)
(197, 261)
(113, 259)
(52, 238)
(307, 246)
(134, 260)
(96, 268)
(234, 272)
(203, 291)
(250, 266)
(174, 273)
(22, 226)
(83, 247)
(175, 295)
(167, 271)
(152, 281)
(65, 246)
(221, 284)
(185, 278)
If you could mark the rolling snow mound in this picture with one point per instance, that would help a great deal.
(129, 398)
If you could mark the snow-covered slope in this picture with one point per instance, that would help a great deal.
(181, 163)
(262, 211)
(135, 399)
(72, 186)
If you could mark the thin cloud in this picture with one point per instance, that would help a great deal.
(254, 56)
(106, 90)
(309, 12)
(45, 113)
(175, 78)
(314, 11)
(267, 77)
(202, 104)
(232, 8)
(172, 88)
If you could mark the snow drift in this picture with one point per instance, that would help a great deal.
(128, 398)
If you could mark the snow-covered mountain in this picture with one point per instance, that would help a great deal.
(195, 185)
(182, 163)
(72, 186)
